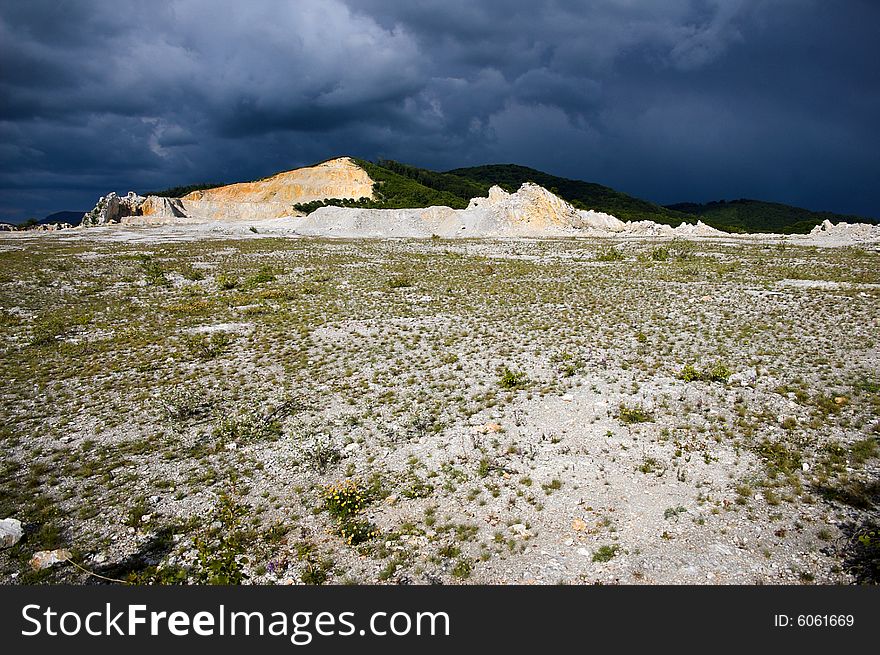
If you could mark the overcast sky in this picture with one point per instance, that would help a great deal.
(668, 100)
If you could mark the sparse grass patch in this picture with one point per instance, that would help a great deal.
(610, 254)
(246, 427)
(778, 458)
(633, 414)
(606, 553)
(182, 402)
(208, 346)
(399, 282)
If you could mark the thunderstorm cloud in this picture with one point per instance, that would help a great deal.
(670, 101)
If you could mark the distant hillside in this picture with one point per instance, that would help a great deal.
(458, 185)
(583, 195)
(397, 185)
(746, 215)
(180, 191)
(74, 218)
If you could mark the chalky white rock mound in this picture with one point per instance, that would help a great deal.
(601, 222)
(855, 232)
(531, 211)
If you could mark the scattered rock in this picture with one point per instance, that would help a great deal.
(487, 428)
(43, 559)
(745, 378)
(519, 529)
(10, 532)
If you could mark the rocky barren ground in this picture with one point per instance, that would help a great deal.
(268, 410)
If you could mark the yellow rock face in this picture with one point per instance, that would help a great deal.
(337, 178)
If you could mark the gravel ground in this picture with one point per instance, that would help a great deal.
(261, 410)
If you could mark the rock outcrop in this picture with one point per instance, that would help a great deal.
(273, 197)
(112, 209)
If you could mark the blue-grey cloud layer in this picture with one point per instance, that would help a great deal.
(669, 100)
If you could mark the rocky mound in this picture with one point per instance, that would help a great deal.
(336, 178)
(272, 197)
(855, 232)
(532, 211)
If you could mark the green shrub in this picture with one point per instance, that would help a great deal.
(690, 373)
(153, 271)
(227, 281)
(512, 379)
(778, 458)
(181, 402)
(463, 568)
(660, 254)
(321, 453)
(48, 331)
(718, 372)
(193, 274)
(606, 553)
(316, 573)
(49, 328)
(356, 531)
(219, 552)
(863, 450)
(342, 500)
(263, 275)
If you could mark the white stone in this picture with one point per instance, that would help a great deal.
(10, 532)
(43, 559)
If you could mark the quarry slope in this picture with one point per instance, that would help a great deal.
(336, 178)
(273, 197)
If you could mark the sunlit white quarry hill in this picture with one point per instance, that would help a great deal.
(340, 198)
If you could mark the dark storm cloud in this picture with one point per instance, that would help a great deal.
(672, 100)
